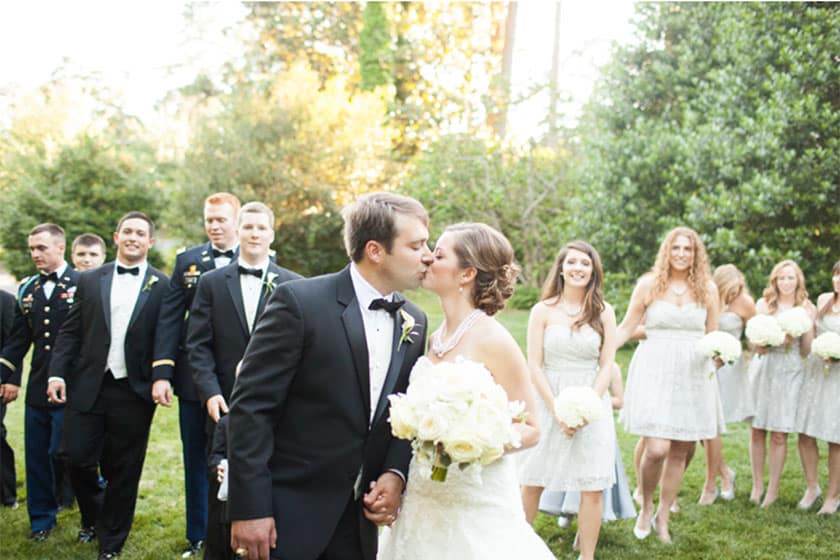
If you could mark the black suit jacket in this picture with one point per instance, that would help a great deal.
(299, 420)
(36, 323)
(218, 330)
(7, 317)
(86, 336)
(170, 360)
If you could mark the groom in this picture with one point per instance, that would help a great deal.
(313, 465)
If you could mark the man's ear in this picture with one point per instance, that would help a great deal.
(374, 251)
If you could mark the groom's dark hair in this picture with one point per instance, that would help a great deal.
(372, 217)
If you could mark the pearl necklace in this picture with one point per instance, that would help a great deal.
(441, 347)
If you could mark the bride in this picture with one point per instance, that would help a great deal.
(470, 515)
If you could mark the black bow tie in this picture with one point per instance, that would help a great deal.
(51, 277)
(252, 271)
(219, 253)
(135, 270)
(390, 306)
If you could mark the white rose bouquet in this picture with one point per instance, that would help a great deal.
(795, 321)
(764, 330)
(722, 345)
(827, 347)
(455, 413)
(576, 406)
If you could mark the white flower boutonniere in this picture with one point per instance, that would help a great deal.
(150, 282)
(269, 282)
(407, 327)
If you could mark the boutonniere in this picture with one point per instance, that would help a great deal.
(150, 282)
(269, 282)
(407, 327)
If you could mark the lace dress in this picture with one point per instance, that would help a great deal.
(818, 414)
(733, 381)
(669, 392)
(467, 516)
(585, 462)
(775, 385)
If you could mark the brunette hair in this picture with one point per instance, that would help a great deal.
(481, 247)
(372, 217)
(54, 230)
(593, 300)
(88, 240)
(137, 215)
(835, 270)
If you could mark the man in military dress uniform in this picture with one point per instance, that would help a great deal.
(170, 357)
(44, 300)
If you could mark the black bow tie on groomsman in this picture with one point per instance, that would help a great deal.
(219, 253)
(252, 271)
(134, 270)
(390, 306)
(51, 277)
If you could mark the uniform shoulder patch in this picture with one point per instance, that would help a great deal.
(180, 250)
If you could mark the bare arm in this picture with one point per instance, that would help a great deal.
(607, 359)
(713, 309)
(635, 311)
(808, 337)
(536, 334)
(616, 388)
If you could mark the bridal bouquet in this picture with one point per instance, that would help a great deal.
(455, 413)
(720, 344)
(764, 330)
(576, 406)
(795, 321)
(827, 347)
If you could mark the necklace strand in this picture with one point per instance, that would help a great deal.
(678, 293)
(441, 347)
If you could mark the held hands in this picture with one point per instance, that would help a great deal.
(8, 392)
(57, 392)
(382, 502)
(216, 407)
(253, 538)
(162, 392)
(220, 472)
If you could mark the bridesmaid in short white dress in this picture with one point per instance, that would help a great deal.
(776, 378)
(818, 416)
(571, 343)
(671, 400)
(467, 516)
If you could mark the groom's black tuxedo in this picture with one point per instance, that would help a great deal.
(300, 430)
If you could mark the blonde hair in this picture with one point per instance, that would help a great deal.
(699, 274)
(730, 283)
(771, 292)
(835, 270)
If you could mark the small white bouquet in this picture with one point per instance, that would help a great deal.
(827, 347)
(795, 321)
(455, 413)
(764, 330)
(576, 406)
(720, 344)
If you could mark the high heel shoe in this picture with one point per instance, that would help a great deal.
(675, 507)
(729, 494)
(807, 505)
(641, 534)
(829, 511)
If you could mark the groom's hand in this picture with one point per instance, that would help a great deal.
(382, 502)
(255, 536)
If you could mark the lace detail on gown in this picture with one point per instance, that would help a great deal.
(468, 516)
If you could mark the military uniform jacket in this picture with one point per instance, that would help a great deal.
(170, 354)
(37, 321)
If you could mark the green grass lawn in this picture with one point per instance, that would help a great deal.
(736, 529)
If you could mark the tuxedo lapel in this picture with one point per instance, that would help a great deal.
(397, 357)
(354, 329)
(105, 292)
(235, 289)
(267, 287)
(143, 297)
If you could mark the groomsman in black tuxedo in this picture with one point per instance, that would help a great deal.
(171, 362)
(8, 476)
(44, 301)
(313, 465)
(226, 306)
(102, 369)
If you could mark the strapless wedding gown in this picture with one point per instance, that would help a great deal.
(467, 516)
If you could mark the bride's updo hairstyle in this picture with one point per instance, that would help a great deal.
(481, 247)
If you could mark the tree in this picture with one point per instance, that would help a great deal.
(725, 118)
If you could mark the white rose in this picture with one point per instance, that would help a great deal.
(462, 448)
(403, 418)
(432, 426)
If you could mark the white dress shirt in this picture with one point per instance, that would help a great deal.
(49, 285)
(125, 289)
(379, 334)
(251, 287)
(222, 261)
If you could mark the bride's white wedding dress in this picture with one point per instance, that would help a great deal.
(466, 516)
